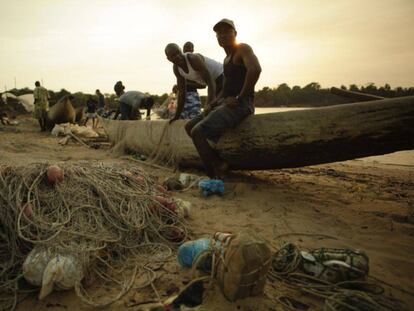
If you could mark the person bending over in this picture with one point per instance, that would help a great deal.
(131, 102)
(195, 67)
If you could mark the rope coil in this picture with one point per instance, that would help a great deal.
(104, 214)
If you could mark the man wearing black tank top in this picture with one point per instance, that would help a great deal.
(233, 104)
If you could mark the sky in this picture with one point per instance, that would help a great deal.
(83, 45)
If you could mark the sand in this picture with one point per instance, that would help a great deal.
(366, 204)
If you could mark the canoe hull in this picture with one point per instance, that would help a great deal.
(62, 112)
(282, 140)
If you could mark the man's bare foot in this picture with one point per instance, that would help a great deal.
(221, 168)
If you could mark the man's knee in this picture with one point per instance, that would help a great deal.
(191, 124)
(197, 132)
(188, 127)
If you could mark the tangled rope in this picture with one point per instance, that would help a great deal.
(346, 295)
(104, 214)
(355, 301)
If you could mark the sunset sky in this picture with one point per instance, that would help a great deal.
(84, 45)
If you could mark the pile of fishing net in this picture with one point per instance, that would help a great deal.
(338, 276)
(87, 226)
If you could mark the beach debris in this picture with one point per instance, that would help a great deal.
(68, 128)
(138, 156)
(21, 104)
(336, 265)
(189, 252)
(173, 184)
(243, 266)
(5, 120)
(82, 134)
(35, 264)
(189, 180)
(183, 207)
(98, 224)
(332, 265)
(65, 140)
(239, 262)
(62, 272)
(51, 271)
(339, 276)
(211, 186)
(198, 253)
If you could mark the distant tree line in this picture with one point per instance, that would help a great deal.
(311, 95)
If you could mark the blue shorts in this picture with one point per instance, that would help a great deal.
(222, 118)
(192, 106)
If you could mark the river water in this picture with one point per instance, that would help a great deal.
(260, 110)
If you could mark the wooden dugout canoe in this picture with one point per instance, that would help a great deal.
(283, 140)
(61, 112)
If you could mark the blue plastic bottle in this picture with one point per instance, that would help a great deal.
(189, 251)
(211, 186)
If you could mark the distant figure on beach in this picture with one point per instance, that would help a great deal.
(201, 70)
(41, 105)
(235, 103)
(101, 102)
(172, 102)
(131, 102)
(91, 107)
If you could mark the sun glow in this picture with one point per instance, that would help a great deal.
(82, 46)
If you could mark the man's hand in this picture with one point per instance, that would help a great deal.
(207, 110)
(231, 102)
(211, 105)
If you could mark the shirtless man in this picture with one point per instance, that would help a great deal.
(233, 105)
(197, 68)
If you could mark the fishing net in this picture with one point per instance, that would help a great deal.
(161, 142)
(108, 217)
(338, 276)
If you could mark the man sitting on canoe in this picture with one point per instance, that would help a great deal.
(234, 104)
(130, 102)
(197, 68)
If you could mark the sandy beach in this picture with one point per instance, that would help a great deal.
(365, 204)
